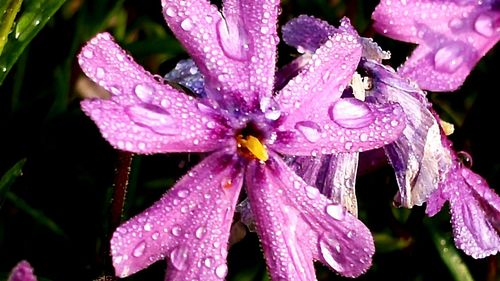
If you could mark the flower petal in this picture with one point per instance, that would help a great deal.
(22, 272)
(324, 78)
(475, 213)
(418, 157)
(186, 73)
(306, 33)
(334, 175)
(258, 19)
(348, 125)
(297, 224)
(189, 225)
(143, 115)
(452, 36)
(230, 49)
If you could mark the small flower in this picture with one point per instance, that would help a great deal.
(452, 36)
(244, 124)
(22, 272)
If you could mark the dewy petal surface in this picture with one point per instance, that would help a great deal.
(475, 211)
(297, 224)
(143, 115)
(189, 225)
(348, 125)
(324, 78)
(452, 37)
(235, 51)
(22, 272)
(418, 157)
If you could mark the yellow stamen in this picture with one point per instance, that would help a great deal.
(255, 147)
(448, 128)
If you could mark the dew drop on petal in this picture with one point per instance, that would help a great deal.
(179, 257)
(153, 117)
(232, 39)
(187, 24)
(148, 226)
(328, 255)
(351, 113)
(176, 230)
(310, 130)
(155, 235)
(183, 193)
(455, 23)
(144, 92)
(139, 249)
(170, 11)
(448, 58)
(208, 262)
(88, 54)
(200, 232)
(335, 211)
(484, 25)
(311, 191)
(221, 270)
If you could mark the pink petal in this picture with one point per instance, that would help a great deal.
(189, 225)
(306, 33)
(22, 272)
(348, 125)
(297, 225)
(229, 49)
(258, 20)
(143, 115)
(475, 213)
(452, 36)
(324, 78)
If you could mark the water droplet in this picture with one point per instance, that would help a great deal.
(264, 29)
(200, 232)
(211, 124)
(4, 69)
(221, 270)
(176, 230)
(311, 191)
(351, 113)
(226, 183)
(155, 235)
(139, 249)
(233, 38)
(187, 24)
(363, 137)
(144, 92)
(183, 193)
(100, 73)
(88, 54)
(179, 257)
(484, 25)
(153, 117)
(465, 158)
(310, 130)
(148, 226)
(335, 211)
(448, 58)
(208, 262)
(456, 23)
(328, 255)
(170, 11)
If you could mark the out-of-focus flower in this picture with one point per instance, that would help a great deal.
(242, 123)
(22, 272)
(452, 36)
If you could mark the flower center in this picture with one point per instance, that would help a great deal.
(249, 142)
(251, 147)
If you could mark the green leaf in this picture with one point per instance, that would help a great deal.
(8, 10)
(386, 243)
(32, 18)
(449, 254)
(9, 177)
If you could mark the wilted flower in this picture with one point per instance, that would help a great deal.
(244, 124)
(22, 272)
(452, 35)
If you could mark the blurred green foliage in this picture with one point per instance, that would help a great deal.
(56, 213)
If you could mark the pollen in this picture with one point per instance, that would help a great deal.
(254, 147)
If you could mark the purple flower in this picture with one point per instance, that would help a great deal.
(244, 125)
(452, 35)
(22, 272)
(474, 207)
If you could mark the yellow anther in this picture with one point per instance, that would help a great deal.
(254, 146)
(448, 128)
